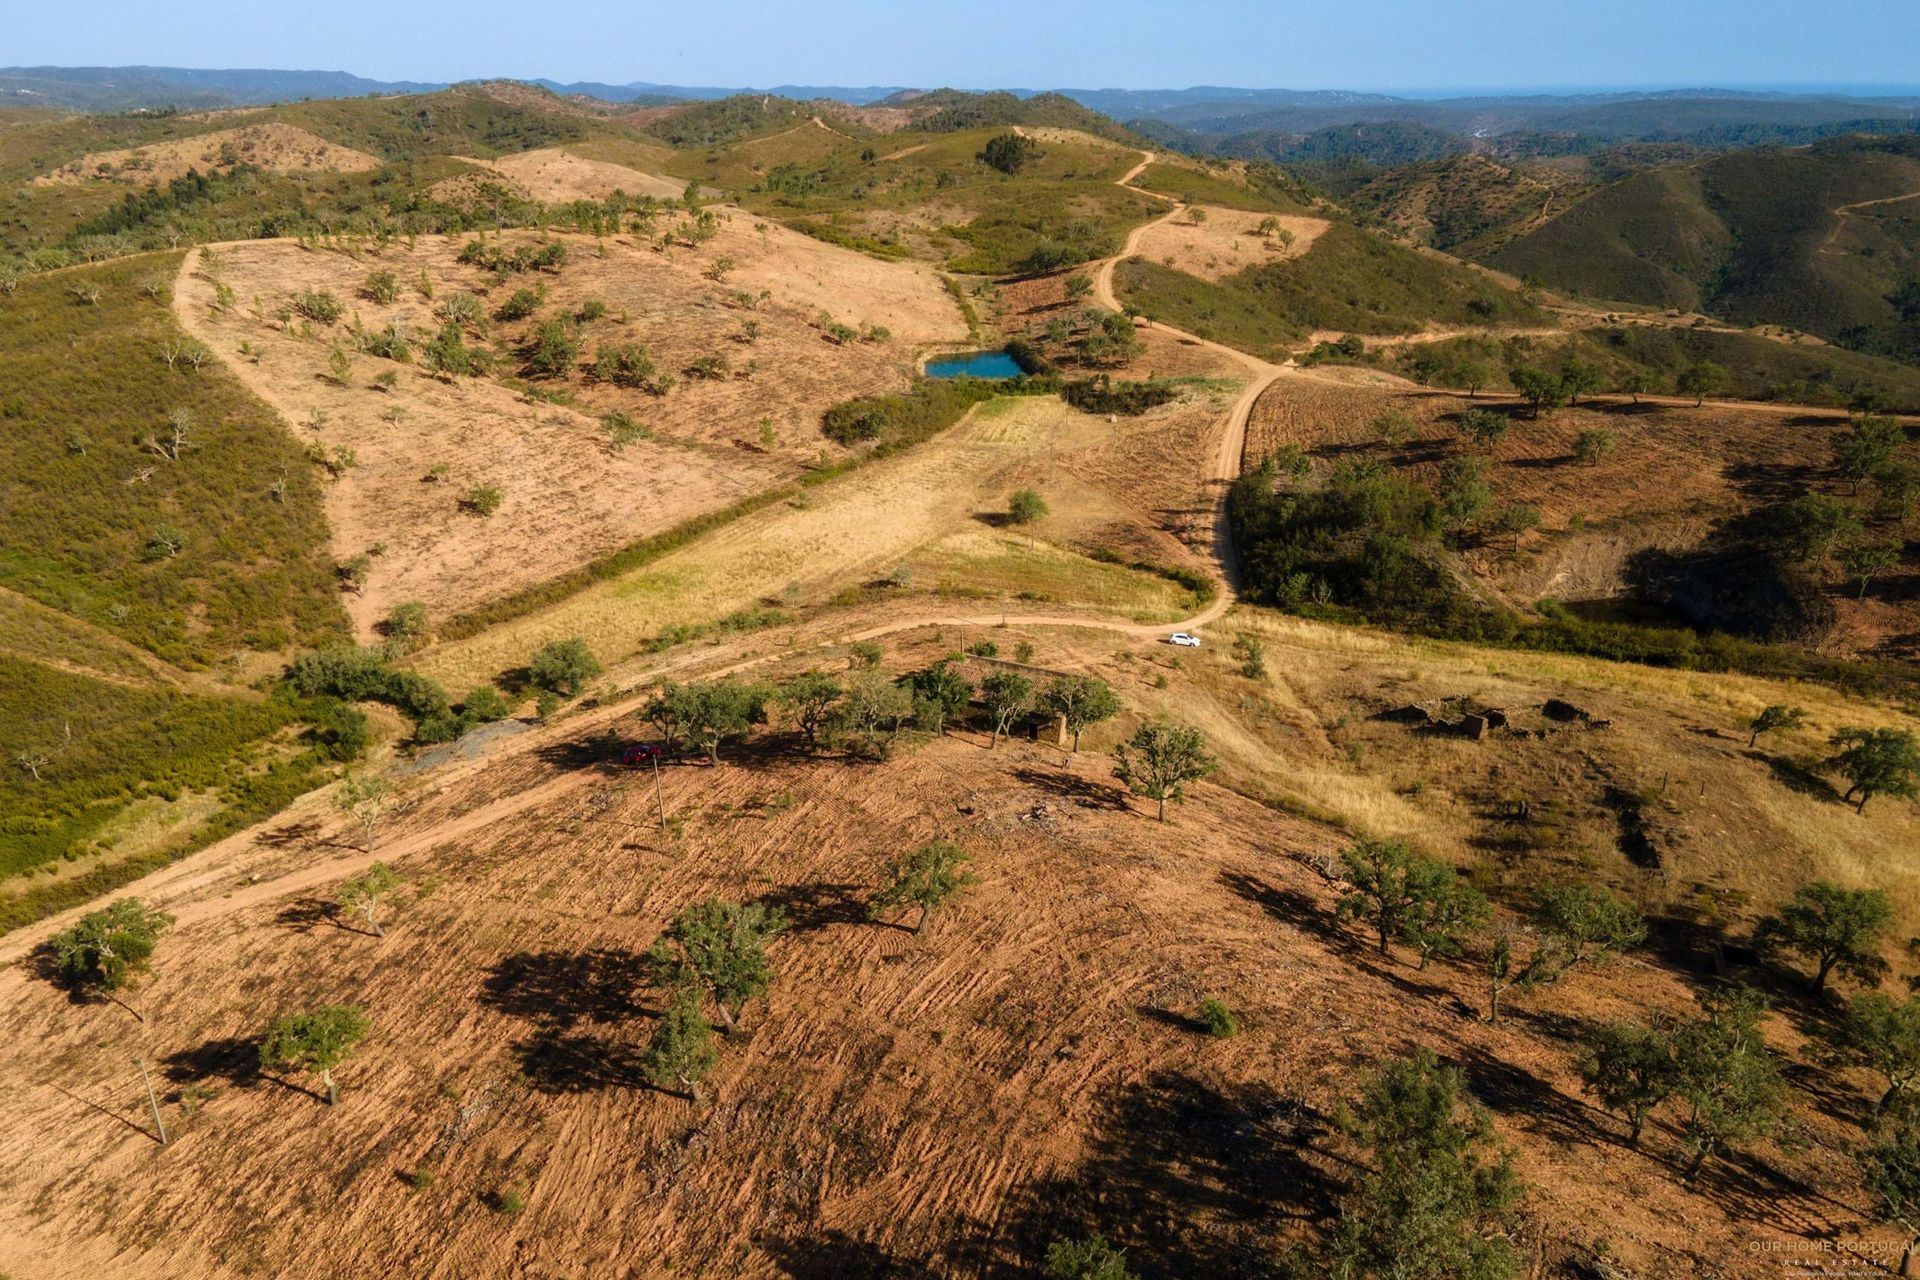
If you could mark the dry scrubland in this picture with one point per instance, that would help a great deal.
(568, 494)
(281, 148)
(955, 1101)
(1675, 473)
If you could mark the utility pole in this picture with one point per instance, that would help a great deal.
(153, 1103)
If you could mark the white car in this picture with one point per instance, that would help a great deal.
(1184, 639)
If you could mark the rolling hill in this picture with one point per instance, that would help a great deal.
(1823, 238)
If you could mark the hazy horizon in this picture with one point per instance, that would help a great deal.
(1375, 46)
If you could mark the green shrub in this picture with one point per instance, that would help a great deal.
(1218, 1019)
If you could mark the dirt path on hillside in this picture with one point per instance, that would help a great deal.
(1842, 212)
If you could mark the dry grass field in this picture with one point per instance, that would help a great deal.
(859, 528)
(556, 175)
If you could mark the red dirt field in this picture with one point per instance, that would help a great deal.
(953, 1102)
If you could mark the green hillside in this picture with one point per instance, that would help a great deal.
(1351, 280)
(190, 557)
(1760, 236)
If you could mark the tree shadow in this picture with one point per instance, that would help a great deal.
(560, 989)
(288, 834)
(1085, 792)
(1749, 1188)
(304, 915)
(1530, 1102)
(834, 1255)
(555, 1061)
(234, 1060)
(1192, 1178)
(1172, 1018)
(1798, 777)
(1292, 907)
(818, 905)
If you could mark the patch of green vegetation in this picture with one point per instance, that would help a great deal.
(1266, 189)
(1350, 280)
(100, 748)
(164, 505)
(452, 122)
(1759, 368)
(1366, 547)
(1060, 208)
(954, 109)
(728, 120)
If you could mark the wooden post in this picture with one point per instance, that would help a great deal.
(153, 1103)
(659, 799)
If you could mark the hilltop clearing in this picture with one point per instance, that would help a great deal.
(280, 148)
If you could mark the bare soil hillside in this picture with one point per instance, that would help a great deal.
(947, 1104)
(568, 493)
(283, 148)
(1222, 242)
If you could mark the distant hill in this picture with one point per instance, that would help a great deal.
(1385, 143)
(1824, 238)
(131, 88)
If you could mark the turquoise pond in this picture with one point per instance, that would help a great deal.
(974, 364)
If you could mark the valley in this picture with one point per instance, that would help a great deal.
(453, 540)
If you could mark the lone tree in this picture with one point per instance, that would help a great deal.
(1876, 762)
(1025, 507)
(362, 895)
(1866, 447)
(924, 878)
(363, 797)
(1159, 760)
(1631, 1069)
(707, 715)
(1008, 696)
(1774, 717)
(1484, 427)
(1081, 701)
(719, 947)
(1702, 380)
(1008, 152)
(1433, 1198)
(1890, 1169)
(682, 1052)
(1387, 882)
(1884, 1034)
(808, 699)
(563, 666)
(318, 1041)
(1543, 391)
(1837, 929)
(106, 950)
(940, 693)
(1579, 924)
(1866, 561)
(1728, 1080)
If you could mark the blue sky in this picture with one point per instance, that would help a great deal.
(1404, 45)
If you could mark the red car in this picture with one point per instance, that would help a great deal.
(644, 753)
